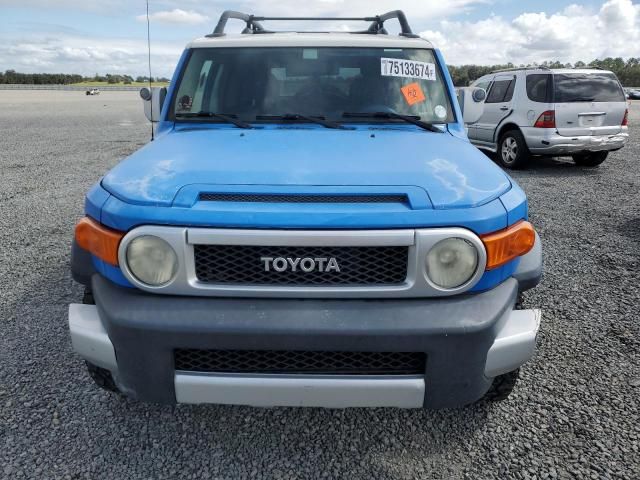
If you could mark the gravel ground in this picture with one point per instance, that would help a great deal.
(575, 413)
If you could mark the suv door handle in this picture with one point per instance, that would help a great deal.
(504, 109)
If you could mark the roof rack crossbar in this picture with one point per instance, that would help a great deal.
(254, 25)
(346, 19)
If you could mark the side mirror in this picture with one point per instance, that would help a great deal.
(471, 102)
(153, 101)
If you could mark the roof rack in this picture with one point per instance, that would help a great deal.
(254, 26)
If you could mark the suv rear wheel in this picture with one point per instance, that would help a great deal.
(592, 159)
(512, 150)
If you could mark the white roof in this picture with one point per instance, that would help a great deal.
(293, 39)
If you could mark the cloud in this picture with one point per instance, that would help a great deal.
(575, 33)
(113, 41)
(175, 17)
(104, 8)
(87, 56)
(417, 10)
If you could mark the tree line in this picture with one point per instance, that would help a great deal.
(13, 77)
(627, 71)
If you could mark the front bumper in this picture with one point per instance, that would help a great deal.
(467, 339)
(542, 141)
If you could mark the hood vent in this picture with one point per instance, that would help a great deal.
(301, 198)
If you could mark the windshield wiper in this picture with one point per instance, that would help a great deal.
(415, 120)
(320, 120)
(228, 118)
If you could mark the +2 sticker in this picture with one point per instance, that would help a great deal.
(413, 93)
(394, 67)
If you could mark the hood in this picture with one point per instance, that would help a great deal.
(452, 172)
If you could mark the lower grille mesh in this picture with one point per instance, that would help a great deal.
(300, 362)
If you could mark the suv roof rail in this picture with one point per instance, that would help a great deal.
(254, 26)
(542, 67)
(515, 69)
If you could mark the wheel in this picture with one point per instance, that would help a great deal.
(512, 150)
(591, 159)
(102, 377)
(87, 297)
(519, 302)
(502, 386)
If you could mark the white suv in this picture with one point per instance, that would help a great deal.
(556, 112)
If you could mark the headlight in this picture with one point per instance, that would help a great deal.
(151, 260)
(452, 262)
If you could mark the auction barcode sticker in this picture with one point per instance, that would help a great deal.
(394, 67)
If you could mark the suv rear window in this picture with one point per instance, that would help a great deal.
(587, 87)
(539, 87)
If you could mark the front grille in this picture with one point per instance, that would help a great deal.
(242, 265)
(300, 362)
(293, 198)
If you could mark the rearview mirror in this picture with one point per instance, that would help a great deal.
(153, 101)
(471, 102)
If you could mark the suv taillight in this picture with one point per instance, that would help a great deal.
(546, 120)
(625, 119)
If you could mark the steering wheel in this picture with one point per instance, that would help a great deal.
(378, 108)
(323, 96)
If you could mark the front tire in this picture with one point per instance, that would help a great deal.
(592, 159)
(87, 297)
(502, 386)
(513, 152)
(102, 377)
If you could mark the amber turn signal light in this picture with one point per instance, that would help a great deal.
(505, 245)
(99, 240)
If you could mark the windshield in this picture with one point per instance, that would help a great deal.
(250, 83)
(587, 87)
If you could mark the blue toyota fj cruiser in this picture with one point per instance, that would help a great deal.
(310, 227)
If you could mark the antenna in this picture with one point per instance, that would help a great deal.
(149, 52)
